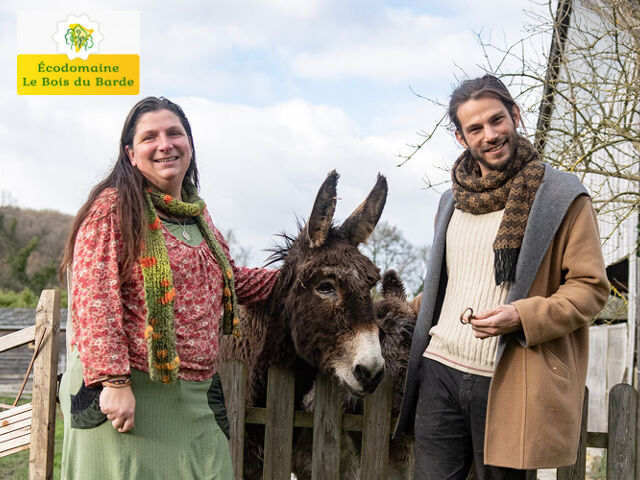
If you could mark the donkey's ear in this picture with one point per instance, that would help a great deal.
(392, 285)
(321, 216)
(363, 220)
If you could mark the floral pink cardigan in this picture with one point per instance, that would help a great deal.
(109, 316)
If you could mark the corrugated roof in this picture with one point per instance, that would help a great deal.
(17, 318)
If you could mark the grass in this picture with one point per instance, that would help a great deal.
(16, 466)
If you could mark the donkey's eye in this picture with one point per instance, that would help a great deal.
(326, 288)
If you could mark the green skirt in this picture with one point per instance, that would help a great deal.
(175, 436)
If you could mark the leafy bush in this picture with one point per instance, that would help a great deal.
(26, 298)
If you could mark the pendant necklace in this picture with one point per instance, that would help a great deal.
(185, 234)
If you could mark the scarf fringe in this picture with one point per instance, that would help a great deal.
(504, 264)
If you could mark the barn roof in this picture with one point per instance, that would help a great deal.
(18, 318)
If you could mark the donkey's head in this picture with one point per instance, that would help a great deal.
(328, 308)
(397, 320)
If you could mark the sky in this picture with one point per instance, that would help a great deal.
(278, 93)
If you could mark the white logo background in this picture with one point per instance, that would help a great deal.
(87, 23)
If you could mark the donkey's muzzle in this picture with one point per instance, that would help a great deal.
(368, 377)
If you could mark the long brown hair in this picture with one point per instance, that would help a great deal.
(129, 183)
(472, 89)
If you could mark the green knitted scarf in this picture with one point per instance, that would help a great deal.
(158, 281)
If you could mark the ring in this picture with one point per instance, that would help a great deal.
(466, 316)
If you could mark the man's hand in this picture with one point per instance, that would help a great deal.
(119, 405)
(497, 321)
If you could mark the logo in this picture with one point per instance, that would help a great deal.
(95, 53)
(78, 37)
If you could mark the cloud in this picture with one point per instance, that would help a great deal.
(259, 166)
(402, 46)
(278, 94)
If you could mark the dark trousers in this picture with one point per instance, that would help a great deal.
(450, 424)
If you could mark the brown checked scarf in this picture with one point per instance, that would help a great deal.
(512, 189)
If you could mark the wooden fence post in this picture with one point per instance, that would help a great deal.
(278, 434)
(578, 470)
(45, 375)
(327, 430)
(376, 429)
(233, 374)
(621, 453)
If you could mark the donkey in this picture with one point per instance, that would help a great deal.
(319, 316)
(396, 320)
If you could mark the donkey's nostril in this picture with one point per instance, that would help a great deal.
(361, 372)
(369, 379)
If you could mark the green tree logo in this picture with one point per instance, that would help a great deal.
(79, 37)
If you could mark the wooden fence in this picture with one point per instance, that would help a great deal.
(33, 425)
(327, 421)
(621, 442)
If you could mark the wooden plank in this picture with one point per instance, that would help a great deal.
(14, 450)
(17, 339)
(633, 313)
(597, 439)
(597, 379)
(621, 454)
(258, 415)
(578, 470)
(376, 431)
(69, 329)
(327, 430)
(45, 375)
(278, 437)
(233, 374)
(11, 435)
(15, 445)
(616, 358)
(351, 422)
(303, 419)
(15, 411)
(16, 423)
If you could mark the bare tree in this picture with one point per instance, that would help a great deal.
(585, 96)
(588, 119)
(241, 254)
(388, 248)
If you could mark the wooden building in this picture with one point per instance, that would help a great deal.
(14, 363)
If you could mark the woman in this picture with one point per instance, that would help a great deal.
(151, 283)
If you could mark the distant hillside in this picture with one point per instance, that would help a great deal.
(31, 245)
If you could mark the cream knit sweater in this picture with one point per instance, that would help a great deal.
(471, 283)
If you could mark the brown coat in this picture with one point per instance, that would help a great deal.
(533, 414)
(535, 399)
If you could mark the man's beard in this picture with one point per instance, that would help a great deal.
(512, 140)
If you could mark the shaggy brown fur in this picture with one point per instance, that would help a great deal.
(396, 319)
(319, 305)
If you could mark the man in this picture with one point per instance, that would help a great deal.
(499, 357)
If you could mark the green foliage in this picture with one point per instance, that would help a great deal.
(23, 299)
(17, 258)
(598, 467)
(26, 298)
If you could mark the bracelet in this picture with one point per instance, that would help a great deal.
(117, 382)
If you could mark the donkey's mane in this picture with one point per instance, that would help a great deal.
(284, 241)
(280, 248)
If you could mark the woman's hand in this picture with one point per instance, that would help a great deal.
(119, 405)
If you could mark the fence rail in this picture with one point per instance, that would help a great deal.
(328, 422)
(33, 425)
